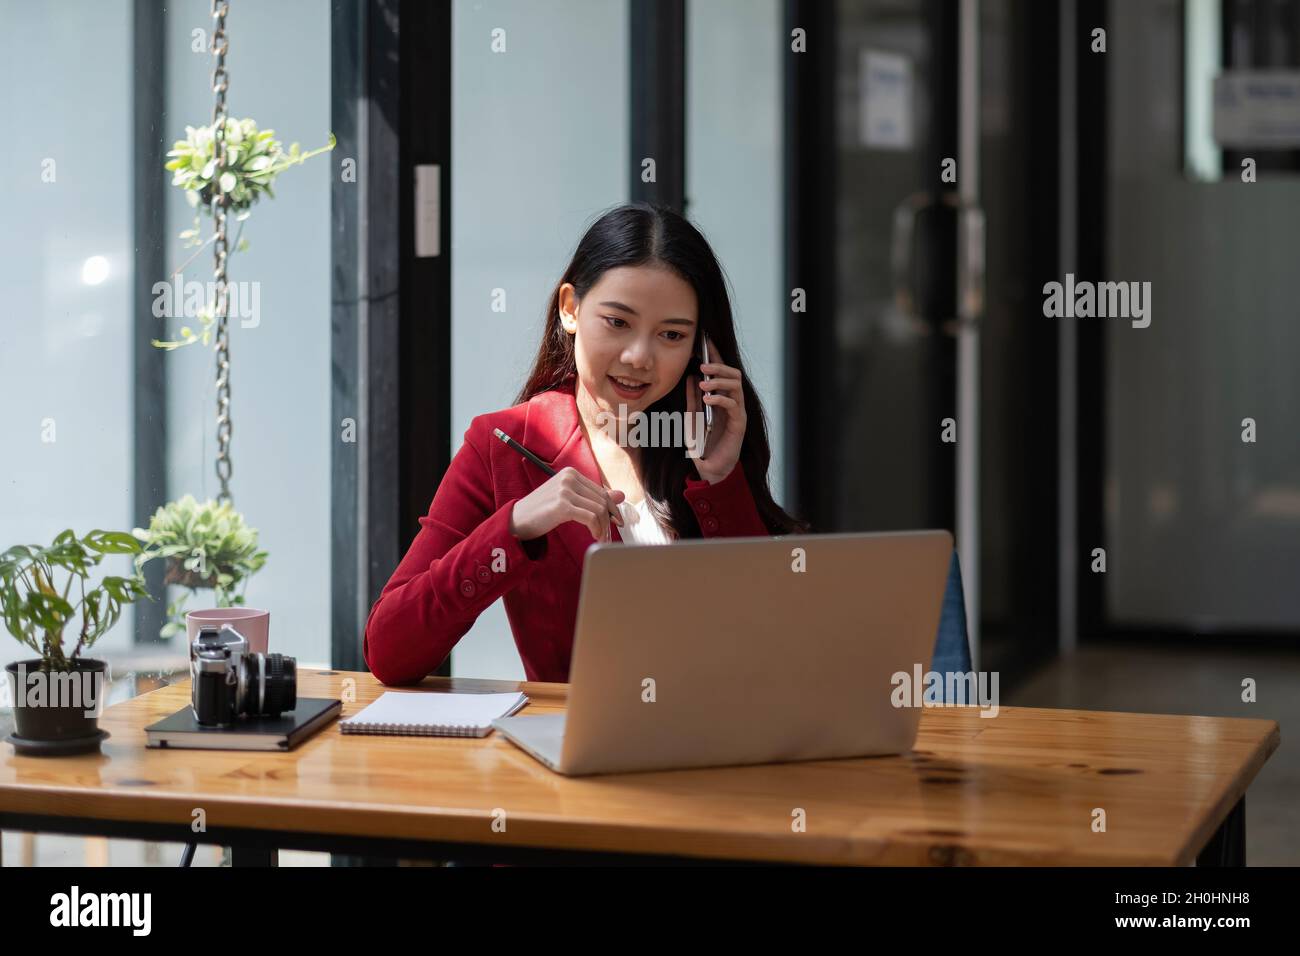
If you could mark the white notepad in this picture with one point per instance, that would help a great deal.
(432, 714)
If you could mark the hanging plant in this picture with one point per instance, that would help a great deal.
(206, 546)
(224, 169)
(254, 158)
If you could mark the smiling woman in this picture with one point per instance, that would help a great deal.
(621, 337)
(642, 286)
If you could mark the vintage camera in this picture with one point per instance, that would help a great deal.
(229, 682)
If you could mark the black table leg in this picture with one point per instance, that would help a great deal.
(1228, 845)
(254, 856)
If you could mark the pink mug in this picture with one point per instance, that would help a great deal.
(255, 625)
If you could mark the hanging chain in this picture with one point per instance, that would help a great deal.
(220, 81)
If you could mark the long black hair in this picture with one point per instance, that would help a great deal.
(642, 234)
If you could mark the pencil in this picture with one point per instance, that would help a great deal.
(537, 461)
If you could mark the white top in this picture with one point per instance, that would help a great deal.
(639, 525)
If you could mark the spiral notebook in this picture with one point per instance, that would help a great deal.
(432, 714)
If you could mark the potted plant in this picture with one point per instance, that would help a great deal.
(254, 158)
(57, 697)
(205, 545)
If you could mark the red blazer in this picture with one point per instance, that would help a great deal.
(465, 557)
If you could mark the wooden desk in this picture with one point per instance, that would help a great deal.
(1019, 788)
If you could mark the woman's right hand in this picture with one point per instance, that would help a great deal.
(568, 495)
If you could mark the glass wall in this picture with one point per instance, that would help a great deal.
(734, 112)
(67, 261)
(279, 350)
(539, 151)
(1202, 524)
(66, 265)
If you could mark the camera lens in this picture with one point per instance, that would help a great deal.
(268, 685)
(281, 692)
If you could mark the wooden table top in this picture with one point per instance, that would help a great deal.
(1019, 788)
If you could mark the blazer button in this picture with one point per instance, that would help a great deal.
(467, 588)
(702, 507)
(484, 574)
(710, 524)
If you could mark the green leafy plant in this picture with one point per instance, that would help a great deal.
(207, 318)
(37, 611)
(206, 545)
(254, 158)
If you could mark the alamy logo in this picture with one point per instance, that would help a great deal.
(655, 429)
(179, 299)
(954, 689)
(65, 689)
(103, 909)
(1084, 300)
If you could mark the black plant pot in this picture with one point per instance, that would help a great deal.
(57, 707)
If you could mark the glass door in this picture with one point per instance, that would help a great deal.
(900, 380)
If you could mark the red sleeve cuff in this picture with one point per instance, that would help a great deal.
(484, 566)
(727, 509)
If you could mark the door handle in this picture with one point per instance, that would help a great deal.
(969, 304)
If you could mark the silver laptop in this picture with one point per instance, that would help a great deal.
(742, 651)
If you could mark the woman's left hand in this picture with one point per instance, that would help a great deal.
(724, 393)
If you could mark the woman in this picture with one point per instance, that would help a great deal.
(621, 340)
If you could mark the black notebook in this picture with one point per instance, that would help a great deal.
(285, 732)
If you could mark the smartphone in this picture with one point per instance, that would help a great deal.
(704, 358)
